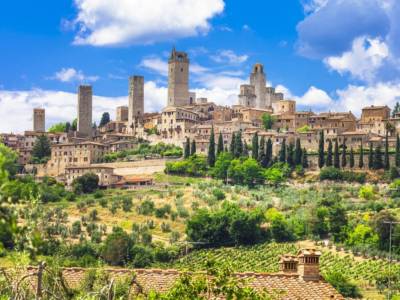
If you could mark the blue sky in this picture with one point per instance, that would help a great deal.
(326, 54)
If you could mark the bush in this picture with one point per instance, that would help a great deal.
(218, 194)
(141, 256)
(146, 208)
(195, 166)
(115, 250)
(331, 173)
(127, 204)
(366, 192)
(163, 211)
(343, 285)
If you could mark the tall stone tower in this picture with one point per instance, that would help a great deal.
(136, 101)
(39, 120)
(85, 95)
(122, 114)
(178, 79)
(259, 81)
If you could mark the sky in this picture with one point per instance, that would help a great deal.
(337, 55)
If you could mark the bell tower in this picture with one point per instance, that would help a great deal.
(178, 79)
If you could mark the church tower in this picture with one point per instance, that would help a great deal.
(178, 79)
(259, 81)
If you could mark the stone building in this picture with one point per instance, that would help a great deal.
(176, 123)
(178, 79)
(122, 114)
(39, 120)
(85, 95)
(375, 113)
(247, 96)
(106, 174)
(259, 81)
(136, 103)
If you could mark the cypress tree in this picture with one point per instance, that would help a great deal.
(238, 145)
(378, 161)
(351, 159)
(344, 158)
(387, 162)
(336, 160)
(187, 148)
(304, 159)
(261, 149)
(297, 153)
(397, 155)
(220, 145)
(371, 157)
(282, 152)
(290, 155)
(361, 158)
(321, 149)
(329, 158)
(211, 149)
(254, 146)
(245, 150)
(232, 144)
(268, 153)
(193, 149)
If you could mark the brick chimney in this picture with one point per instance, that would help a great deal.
(308, 266)
(288, 264)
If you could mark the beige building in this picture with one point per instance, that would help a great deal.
(178, 79)
(136, 103)
(122, 114)
(106, 174)
(176, 123)
(39, 120)
(85, 95)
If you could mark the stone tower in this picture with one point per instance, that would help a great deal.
(259, 81)
(39, 120)
(136, 101)
(178, 79)
(122, 114)
(85, 94)
(247, 96)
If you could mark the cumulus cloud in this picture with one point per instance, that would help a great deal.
(363, 61)
(72, 75)
(155, 64)
(331, 29)
(313, 5)
(108, 23)
(229, 56)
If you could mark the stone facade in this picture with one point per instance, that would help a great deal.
(178, 79)
(259, 81)
(122, 114)
(106, 174)
(39, 120)
(85, 95)
(136, 102)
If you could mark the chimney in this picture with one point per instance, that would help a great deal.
(288, 264)
(308, 266)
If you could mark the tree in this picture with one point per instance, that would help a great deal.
(245, 150)
(268, 154)
(387, 162)
(254, 146)
(329, 158)
(290, 155)
(221, 166)
(41, 149)
(238, 145)
(116, 247)
(336, 160)
(304, 159)
(396, 109)
(193, 148)
(371, 157)
(382, 228)
(351, 158)
(59, 127)
(344, 157)
(397, 156)
(105, 119)
(232, 144)
(211, 149)
(74, 126)
(220, 145)
(378, 159)
(361, 158)
(67, 127)
(298, 153)
(8, 163)
(86, 184)
(321, 150)
(282, 152)
(268, 121)
(187, 148)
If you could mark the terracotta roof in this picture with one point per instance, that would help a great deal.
(291, 286)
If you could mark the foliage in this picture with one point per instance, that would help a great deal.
(211, 149)
(41, 149)
(247, 172)
(321, 150)
(115, 250)
(195, 165)
(268, 121)
(367, 192)
(331, 173)
(303, 129)
(105, 119)
(342, 284)
(59, 127)
(86, 184)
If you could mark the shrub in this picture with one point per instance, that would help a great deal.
(141, 256)
(195, 165)
(163, 211)
(93, 215)
(342, 284)
(146, 207)
(86, 184)
(165, 227)
(76, 228)
(366, 192)
(115, 250)
(218, 194)
(331, 173)
(127, 204)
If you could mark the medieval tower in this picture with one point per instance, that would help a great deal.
(178, 79)
(258, 80)
(39, 117)
(136, 101)
(85, 94)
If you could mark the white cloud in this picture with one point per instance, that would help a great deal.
(72, 75)
(229, 56)
(155, 64)
(107, 23)
(363, 61)
(310, 6)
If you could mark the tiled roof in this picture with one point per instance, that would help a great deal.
(291, 286)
